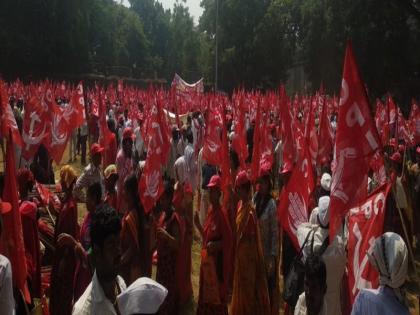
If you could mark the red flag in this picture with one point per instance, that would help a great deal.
(256, 153)
(381, 121)
(212, 148)
(286, 127)
(8, 121)
(404, 131)
(34, 130)
(294, 199)
(356, 141)
(239, 141)
(56, 141)
(12, 235)
(158, 146)
(76, 109)
(366, 223)
(325, 141)
(415, 122)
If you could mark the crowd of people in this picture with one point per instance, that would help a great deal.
(104, 266)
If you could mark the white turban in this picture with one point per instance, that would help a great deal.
(390, 257)
(324, 210)
(143, 296)
(326, 181)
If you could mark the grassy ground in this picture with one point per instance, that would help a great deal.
(190, 309)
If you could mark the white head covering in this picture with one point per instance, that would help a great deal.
(143, 296)
(326, 181)
(390, 257)
(324, 210)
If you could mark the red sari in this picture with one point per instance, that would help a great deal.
(64, 265)
(215, 271)
(28, 214)
(130, 271)
(168, 263)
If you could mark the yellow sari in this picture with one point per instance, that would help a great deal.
(250, 292)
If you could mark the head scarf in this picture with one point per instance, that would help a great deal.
(390, 257)
(67, 175)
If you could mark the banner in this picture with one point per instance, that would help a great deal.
(365, 225)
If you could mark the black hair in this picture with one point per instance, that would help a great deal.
(168, 188)
(316, 270)
(95, 191)
(131, 186)
(105, 222)
(190, 136)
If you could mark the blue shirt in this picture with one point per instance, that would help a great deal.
(381, 301)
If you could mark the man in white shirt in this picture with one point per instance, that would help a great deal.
(7, 303)
(100, 297)
(311, 302)
(334, 255)
(191, 162)
(180, 170)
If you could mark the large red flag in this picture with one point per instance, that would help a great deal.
(286, 126)
(325, 141)
(239, 141)
(12, 235)
(356, 141)
(158, 146)
(212, 148)
(294, 199)
(75, 111)
(381, 121)
(366, 223)
(34, 130)
(8, 121)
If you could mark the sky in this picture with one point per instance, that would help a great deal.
(193, 5)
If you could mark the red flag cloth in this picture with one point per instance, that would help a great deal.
(158, 146)
(404, 132)
(8, 121)
(34, 130)
(381, 121)
(415, 122)
(256, 153)
(294, 199)
(239, 140)
(356, 141)
(77, 115)
(366, 224)
(286, 126)
(56, 141)
(212, 148)
(325, 141)
(12, 236)
(392, 117)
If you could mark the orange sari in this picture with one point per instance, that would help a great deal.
(250, 292)
(130, 238)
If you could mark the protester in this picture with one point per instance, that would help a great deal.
(170, 235)
(390, 258)
(110, 153)
(7, 303)
(215, 270)
(64, 264)
(333, 253)
(173, 154)
(29, 217)
(250, 291)
(191, 162)
(125, 165)
(266, 211)
(144, 296)
(132, 234)
(111, 178)
(180, 169)
(91, 174)
(84, 132)
(100, 296)
(312, 302)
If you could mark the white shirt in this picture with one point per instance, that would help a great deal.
(381, 301)
(335, 262)
(7, 303)
(94, 302)
(301, 309)
(191, 166)
(139, 144)
(180, 169)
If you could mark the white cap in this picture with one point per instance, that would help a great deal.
(143, 296)
(326, 181)
(324, 210)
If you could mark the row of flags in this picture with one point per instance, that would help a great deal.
(303, 123)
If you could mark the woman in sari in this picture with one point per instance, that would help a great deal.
(64, 264)
(169, 239)
(266, 211)
(215, 269)
(250, 293)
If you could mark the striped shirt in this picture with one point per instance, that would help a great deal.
(90, 175)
